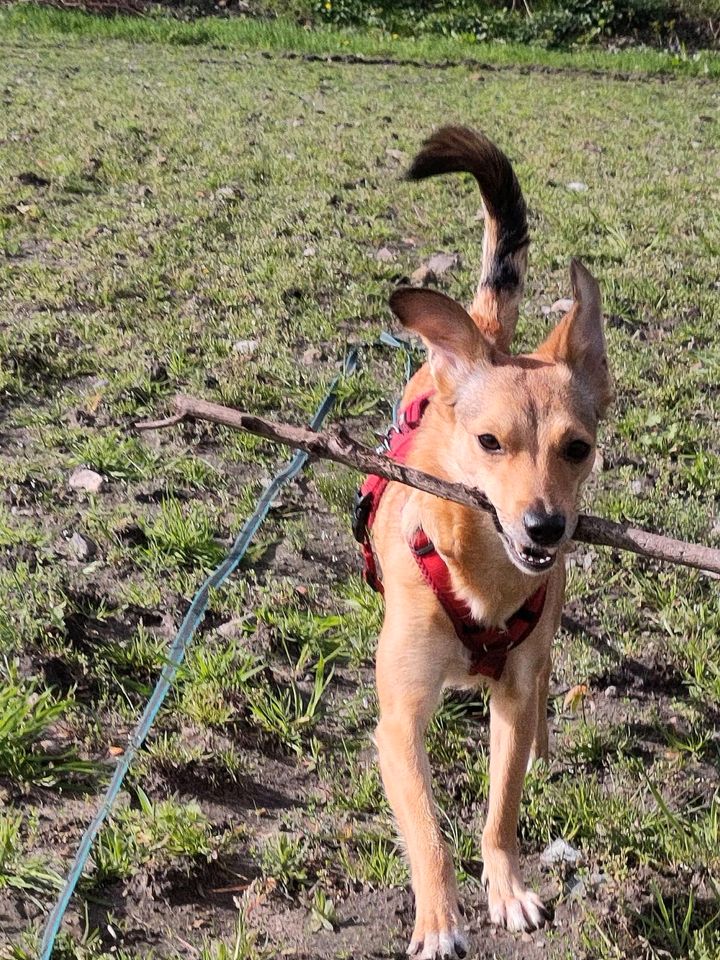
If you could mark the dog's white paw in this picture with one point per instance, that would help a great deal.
(450, 944)
(520, 911)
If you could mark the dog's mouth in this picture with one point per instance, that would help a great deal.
(529, 559)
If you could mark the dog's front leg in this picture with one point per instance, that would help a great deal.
(513, 719)
(407, 700)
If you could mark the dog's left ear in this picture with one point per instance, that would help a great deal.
(579, 339)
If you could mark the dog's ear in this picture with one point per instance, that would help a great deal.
(579, 339)
(453, 340)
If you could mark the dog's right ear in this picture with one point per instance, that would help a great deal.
(453, 340)
(579, 340)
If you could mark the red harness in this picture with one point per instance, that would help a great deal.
(488, 646)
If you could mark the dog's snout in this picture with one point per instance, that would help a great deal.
(544, 528)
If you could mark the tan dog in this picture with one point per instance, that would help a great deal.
(522, 429)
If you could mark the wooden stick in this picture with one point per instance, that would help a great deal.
(337, 445)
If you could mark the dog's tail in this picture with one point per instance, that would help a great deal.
(505, 243)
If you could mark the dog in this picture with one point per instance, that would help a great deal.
(474, 596)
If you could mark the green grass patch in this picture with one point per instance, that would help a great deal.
(32, 22)
(27, 716)
(18, 871)
(153, 835)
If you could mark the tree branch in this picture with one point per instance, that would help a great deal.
(337, 445)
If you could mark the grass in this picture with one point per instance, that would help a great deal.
(286, 713)
(373, 860)
(240, 33)
(155, 835)
(206, 217)
(674, 922)
(284, 860)
(27, 715)
(182, 537)
(18, 872)
(243, 945)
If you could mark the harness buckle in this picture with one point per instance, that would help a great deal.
(362, 505)
(424, 550)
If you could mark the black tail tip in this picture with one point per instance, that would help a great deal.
(449, 149)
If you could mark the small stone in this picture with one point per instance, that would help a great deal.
(311, 355)
(385, 255)
(422, 277)
(246, 346)
(83, 548)
(562, 305)
(560, 851)
(230, 629)
(87, 480)
(228, 192)
(440, 263)
(309, 251)
(611, 692)
(575, 888)
(598, 463)
(577, 186)
(395, 154)
(436, 267)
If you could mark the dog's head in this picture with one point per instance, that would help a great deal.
(523, 427)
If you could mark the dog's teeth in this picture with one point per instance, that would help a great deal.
(535, 557)
(531, 556)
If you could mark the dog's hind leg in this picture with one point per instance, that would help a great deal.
(407, 699)
(540, 749)
(540, 745)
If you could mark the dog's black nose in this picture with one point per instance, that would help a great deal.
(544, 528)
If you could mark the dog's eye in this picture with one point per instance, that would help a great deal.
(577, 451)
(489, 442)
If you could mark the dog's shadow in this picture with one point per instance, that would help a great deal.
(643, 681)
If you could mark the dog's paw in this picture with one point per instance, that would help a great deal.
(520, 911)
(449, 944)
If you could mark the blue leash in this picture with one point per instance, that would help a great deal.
(176, 655)
(389, 340)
